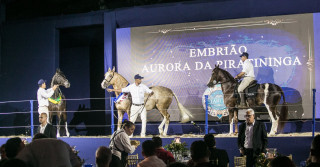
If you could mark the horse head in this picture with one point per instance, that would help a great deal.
(214, 76)
(60, 79)
(108, 76)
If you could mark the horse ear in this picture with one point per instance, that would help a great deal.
(218, 65)
(109, 69)
(113, 69)
(215, 66)
(58, 70)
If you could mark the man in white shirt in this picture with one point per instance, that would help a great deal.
(43, 95)
(137, 91)
(248, 75)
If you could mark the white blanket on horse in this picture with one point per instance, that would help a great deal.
(121, 97)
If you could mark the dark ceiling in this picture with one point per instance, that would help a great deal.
(25, 9)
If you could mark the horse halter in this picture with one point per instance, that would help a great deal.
(110, 78)
(221, 82)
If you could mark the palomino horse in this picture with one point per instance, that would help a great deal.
(161, 100)
(268, 94)
(57, 102)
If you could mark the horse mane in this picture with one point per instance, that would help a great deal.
(227, 74)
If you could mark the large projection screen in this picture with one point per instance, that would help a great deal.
(182, 56)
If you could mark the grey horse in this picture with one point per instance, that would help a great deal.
(160, 100)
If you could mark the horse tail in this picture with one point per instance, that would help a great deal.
(184, 113)
(283, 112)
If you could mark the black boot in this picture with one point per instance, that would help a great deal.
(243, 101)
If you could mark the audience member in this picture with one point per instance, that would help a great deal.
(103, 156)
(218, 157)
(121, 145)
(282, 161)
(149, 153)
(161, 153)
(39, 136)
(13, 147)
(49, 153)
(252, 142)
(14, 163)
(46, 128)
(177, 164)
(200, 155)
(315, 152)
(4, 157)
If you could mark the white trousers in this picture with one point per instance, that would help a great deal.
(244, 83)
(134, 113)
(44, 109)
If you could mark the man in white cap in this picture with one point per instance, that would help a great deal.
(137, 90)
(43, 95)
(248, 75)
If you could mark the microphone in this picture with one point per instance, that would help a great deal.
(197, 126)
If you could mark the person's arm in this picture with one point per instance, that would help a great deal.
(114, 90)
(244, 71)
(240, 142)
(128, 148)
(148, 90)
(125, 90)
(264, 137)
(46, 93)
(240, 75)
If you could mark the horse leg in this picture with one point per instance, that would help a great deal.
(50, 117)
(64, 118)
(231, 113)
(165, 122)
(275, 119)
(120, 117)
(235, 120)
(58, 125)
(271, 111)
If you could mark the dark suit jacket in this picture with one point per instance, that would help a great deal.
(260, 139)
(50, 131)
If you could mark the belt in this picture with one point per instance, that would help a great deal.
(137, 104)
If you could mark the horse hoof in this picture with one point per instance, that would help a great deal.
(271, 134)
(143, 136)
(185, 120)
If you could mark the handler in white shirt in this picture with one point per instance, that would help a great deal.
(137, 91)
(43, 95)
(248, 74)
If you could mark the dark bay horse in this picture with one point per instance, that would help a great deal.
(57, 102)
(160, 100)
(268, 94)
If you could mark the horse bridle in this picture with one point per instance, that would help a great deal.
(222, 82)
(110, 78)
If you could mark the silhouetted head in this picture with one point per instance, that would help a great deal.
(103, 156)
(148, 148)
(210, 140)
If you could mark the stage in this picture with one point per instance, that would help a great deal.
(297, 146)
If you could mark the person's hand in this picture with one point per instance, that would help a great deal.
(109, 90)
(241, 151)
(55, 87)
(135, 143)
(236, 77)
